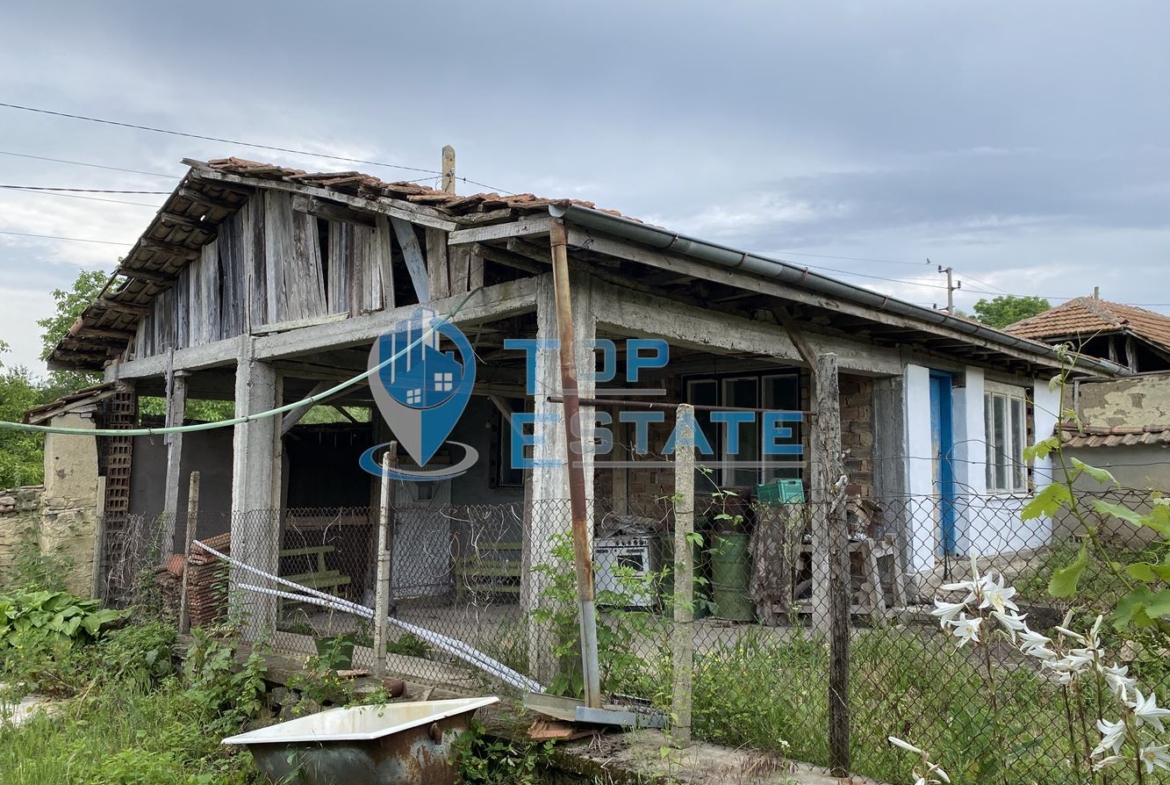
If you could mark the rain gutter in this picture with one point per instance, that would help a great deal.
(802, 277)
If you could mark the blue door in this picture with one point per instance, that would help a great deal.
(942, 439)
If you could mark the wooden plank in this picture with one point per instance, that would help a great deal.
(524, 227)
(198, 197)
(423, 216)
(383, 258)
(97, 332)
(296, 324)
(416, 264)
(499, 301)
(331, 211)
(493, 254)
(130, 308)
(145, 275)
(291, 418)
(438, 272)
(168, 249)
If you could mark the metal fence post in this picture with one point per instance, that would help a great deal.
(684, 575)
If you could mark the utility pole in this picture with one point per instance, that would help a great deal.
(449, 169)
(952, 287)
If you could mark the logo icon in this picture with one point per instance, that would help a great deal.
(421, 392)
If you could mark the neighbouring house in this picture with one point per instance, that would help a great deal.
(1122, 424)
(264, 285)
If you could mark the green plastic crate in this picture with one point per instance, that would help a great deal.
(781, 492)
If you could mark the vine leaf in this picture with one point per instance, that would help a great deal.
(1064, 581)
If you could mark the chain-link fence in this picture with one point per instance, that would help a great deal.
(499, 579)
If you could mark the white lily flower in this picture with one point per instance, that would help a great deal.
(1104, 762)
(1147, 712)
(1011, 622)
(947, 611)
(967, 586)
(996, 595)
(933, 776)
(905, 745)
(1036, 645)
(966, 630)
(1112, 737)
(1070, 634)
(1154, 755)
(1118, 680)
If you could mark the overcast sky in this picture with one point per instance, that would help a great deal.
(1027, 145)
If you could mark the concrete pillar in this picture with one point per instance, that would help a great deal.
(970, 458)
(69, 506)
(176, 412)
(922, 535)
(255, 524)
(1046, 411)
(548, 511)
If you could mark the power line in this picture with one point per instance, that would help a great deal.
(90, 165)
(80, 190)
(255, 145)
(87, 198)
(67, 239)
(855, 258)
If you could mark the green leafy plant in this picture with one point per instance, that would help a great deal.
(488, 760)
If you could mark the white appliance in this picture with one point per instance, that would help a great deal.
(638, 557)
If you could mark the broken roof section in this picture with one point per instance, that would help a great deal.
(213, 191)
(1085, 316)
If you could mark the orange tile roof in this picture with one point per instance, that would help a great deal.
(1085, 316)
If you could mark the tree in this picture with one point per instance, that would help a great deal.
(21, 454)
(70, 304)
(1009, 309)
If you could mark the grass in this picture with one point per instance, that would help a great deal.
(771, 694)
(122, 735)
(1098, 589)
(122, 714)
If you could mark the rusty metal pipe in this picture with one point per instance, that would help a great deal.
(575, 449)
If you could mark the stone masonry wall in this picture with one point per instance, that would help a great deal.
(20, 518)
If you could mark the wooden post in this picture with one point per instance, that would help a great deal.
(684, 575)
(385, 558)
(449, 169)
(192, 524)
(176, 411)
(831, 580)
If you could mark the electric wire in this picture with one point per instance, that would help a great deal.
(88, 164)
(86, 198)
(209, 426)
(254, 145)
(67, 239)
(81, 190)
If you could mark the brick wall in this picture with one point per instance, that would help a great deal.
(857, 433)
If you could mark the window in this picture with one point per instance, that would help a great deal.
(777, 392)
(1006, 420)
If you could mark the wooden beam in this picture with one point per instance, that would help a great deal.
(182, 220)
(483, 219)
(341, 410)
(331, 211)
(493, 254)
(438, 270)
(416, 263)
(130, 308)
(381, 205)
(797, 336)
(525, 227)
(291, 418)
(169, 249)
(145, 275)
(98, 332)
(198, 197)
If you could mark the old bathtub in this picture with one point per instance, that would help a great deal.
(388, 744)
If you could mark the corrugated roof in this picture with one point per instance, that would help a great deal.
(1086, 316)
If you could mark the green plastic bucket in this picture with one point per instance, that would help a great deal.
(731, 569)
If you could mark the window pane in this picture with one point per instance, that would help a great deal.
(989, 442)
(1019, 439)
(1000, 427)
(705, 392)
(745, 393)
(782, 393)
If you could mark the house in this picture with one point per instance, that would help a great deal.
(264, 285)
(1123, 424)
